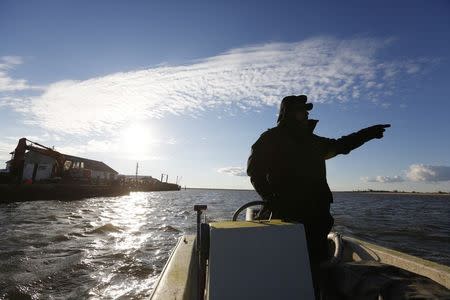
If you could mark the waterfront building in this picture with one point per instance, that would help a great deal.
(36, 163)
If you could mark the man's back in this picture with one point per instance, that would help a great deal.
(291, 163)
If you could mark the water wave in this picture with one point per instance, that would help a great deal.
(106, 229)
(61, 238)
(136, 270)
(117, 247)
(168, 228)
(52, 218)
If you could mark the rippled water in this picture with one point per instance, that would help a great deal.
(116, 247)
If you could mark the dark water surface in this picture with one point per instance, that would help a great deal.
(115, 248)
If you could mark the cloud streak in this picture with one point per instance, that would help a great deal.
(384, 179)
(426, 173)
(7, 83)
(416, 173)
(327, 69)
(116, 149)
(234, 171)
(5, 149)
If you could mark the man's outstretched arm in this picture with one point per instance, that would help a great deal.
(352, 141)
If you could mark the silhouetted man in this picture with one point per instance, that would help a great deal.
(287, 169)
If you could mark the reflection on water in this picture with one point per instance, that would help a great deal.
(121, 221)
(98, 248)
(116, 247)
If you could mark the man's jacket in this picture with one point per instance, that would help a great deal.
(287, 168)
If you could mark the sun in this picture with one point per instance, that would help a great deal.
(138, 141)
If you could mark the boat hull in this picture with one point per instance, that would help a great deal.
(415, 277)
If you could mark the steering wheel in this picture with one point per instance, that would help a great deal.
(249, 204)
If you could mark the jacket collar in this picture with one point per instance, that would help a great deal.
(293, 125)
(312, 125)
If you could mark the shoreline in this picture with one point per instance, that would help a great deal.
(355, 192)
(398, 193)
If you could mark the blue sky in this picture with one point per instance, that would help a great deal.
(186, 87)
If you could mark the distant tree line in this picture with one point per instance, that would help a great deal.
(400, 192)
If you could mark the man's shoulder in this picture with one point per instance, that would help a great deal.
(270, 133)
(267, 137)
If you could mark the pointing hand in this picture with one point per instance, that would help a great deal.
(377, 131)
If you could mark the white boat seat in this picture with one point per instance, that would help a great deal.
(258, 260)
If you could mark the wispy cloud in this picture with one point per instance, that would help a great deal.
(7, 83)
(235, 171)
(5, 149)
(416, 172)
(113, 148)
(419, 172)
(127, 143)
(327, 69)
(383, 179)
(43, 138)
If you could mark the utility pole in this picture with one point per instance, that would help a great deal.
(137, 169)
(162, 177)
